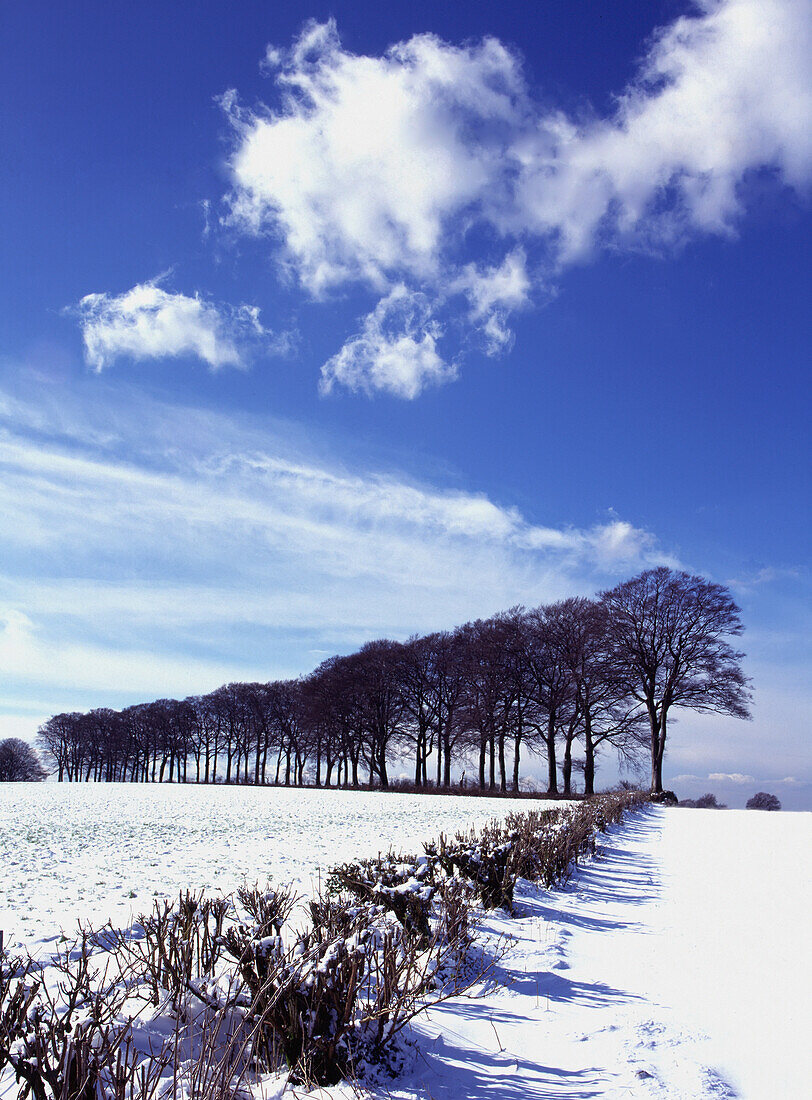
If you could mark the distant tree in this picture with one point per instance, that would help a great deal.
(763, 801)
(600, 711)
(668, 644)
(19, 762)
(708, 802)
(379, 665)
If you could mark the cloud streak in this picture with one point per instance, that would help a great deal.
(381, 171)
(231, 542)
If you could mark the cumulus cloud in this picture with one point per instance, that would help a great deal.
(395, 352)
(719, 95)
(730, 777)
(150, 322)
(374, 170)
(368, 157)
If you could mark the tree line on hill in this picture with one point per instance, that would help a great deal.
(564, 681)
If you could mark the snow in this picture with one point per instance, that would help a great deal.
(674, 966)
(98, 852)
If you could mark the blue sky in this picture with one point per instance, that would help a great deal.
(331, 321)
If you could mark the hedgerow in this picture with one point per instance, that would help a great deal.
(203, 995)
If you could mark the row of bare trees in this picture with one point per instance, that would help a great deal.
(563, 681)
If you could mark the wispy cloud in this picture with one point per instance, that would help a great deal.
(375, 170)
(180, 559)
(30, 655)
(767, 574)
(150, 322)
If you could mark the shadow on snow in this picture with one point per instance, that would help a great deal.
(458, 1066)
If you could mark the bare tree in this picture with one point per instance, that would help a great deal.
(601, 710)
(548, 670)
(380, 664)
(334, 710)
(418, 692)
(19, 762)
(668, 647)
(432, 683)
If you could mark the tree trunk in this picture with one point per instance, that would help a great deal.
(446, 743)
(552, 774)
(657, 747)
(589, 757)
(566, 768)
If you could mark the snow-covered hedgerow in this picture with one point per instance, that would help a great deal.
(204, 995)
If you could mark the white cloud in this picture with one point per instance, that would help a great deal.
(493, 293)
(731, 777)
(395, 352)
(149, 322)
(768, 574)
(368, 157)
(374, 170)
(29, 656)
(719, 95)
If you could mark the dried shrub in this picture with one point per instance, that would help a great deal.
(65, 1037)
(542, 846)
(398, 883)
(269, 908)
(180, 943)
(489, 867)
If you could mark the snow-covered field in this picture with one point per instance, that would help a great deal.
(675, 965)
(99, 852)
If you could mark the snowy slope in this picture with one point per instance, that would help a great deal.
(676, 965)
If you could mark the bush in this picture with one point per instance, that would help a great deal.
(706, 802)
(541, 846)
(664, 798)
(397, 883)
(68, 1039)
(763, 801)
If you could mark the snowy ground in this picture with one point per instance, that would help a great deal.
(676, 965)
(99, 852)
